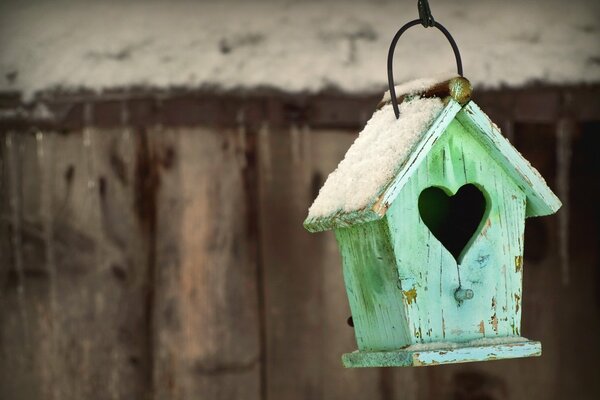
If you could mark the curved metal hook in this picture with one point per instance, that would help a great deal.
(425, 13)
(390, 59)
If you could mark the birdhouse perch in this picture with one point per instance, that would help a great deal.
(429, 212)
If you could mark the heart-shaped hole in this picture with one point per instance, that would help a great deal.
(453, 220)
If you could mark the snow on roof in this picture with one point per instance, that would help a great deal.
(418, 85)
(375, 156)
(292, 46)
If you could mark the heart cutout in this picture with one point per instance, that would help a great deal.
(453, 220)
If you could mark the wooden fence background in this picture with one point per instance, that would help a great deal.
(151, 247)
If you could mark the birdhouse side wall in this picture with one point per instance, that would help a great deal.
(371, 278)
(491, 263)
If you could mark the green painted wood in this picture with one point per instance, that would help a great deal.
(372, 285)
(490, 265)
(419, 358)
(540, 198)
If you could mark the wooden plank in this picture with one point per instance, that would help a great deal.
(5, 247)
(292, 268)
(83, 283)
(16, 375)
(461, 354)
(578, 302)
(205, 311)
(566, 130)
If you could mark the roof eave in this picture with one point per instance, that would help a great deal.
(341, 220)
(540, 198)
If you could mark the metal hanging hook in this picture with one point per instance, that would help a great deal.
(425, 14)
(425, 19)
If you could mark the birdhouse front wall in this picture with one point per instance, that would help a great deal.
(490, 264)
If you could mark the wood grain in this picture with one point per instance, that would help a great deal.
(205, 317)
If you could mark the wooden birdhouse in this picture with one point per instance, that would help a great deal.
(429, 212)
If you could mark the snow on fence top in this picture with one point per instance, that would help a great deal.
(375, 156)
(292, 46)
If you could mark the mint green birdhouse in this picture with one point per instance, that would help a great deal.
(429, 212)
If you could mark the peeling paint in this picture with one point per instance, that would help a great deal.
(518, 263)
(416, 361)
(487, 226)
(494, 322)
(517, 301)
(410, 295)
(482, 328)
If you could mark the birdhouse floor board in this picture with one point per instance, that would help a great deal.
(451, 355)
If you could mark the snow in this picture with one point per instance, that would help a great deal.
(290, 46)
(375, 156)
(472, 343)
(418, 85)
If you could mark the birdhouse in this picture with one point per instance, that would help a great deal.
(429, 210)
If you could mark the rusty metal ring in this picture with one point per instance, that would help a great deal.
(390, 59)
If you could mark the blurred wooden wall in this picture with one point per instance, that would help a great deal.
(151, 247)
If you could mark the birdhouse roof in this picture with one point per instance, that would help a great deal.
(389, 150)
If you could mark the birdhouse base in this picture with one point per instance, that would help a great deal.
(456, 353)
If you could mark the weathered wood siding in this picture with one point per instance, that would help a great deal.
(204, 311)
(168, 260)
